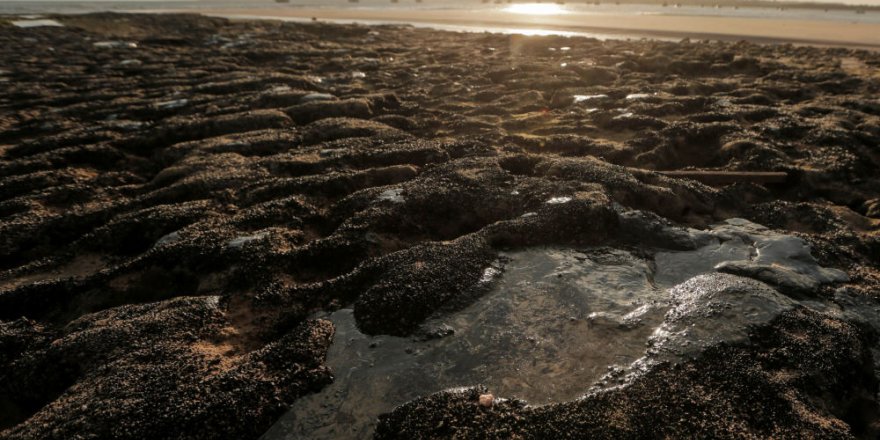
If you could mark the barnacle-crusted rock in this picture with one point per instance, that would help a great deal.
(783, 372)
(173, 215)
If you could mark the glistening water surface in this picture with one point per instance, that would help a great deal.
(555, 322)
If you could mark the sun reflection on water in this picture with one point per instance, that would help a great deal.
(536, 9)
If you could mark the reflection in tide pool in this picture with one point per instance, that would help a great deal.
(35, 23)
(556, 321)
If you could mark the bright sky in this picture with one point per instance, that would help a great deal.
(849, 2)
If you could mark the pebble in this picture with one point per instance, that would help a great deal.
(487, 400)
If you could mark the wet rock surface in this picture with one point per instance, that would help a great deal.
(554, 319)
(184, 200)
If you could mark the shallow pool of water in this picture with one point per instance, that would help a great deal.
(549, 321)
(36, 23)
(555, 322)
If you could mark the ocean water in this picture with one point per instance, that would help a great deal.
(571, 7)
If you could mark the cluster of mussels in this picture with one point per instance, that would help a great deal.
(179, 195)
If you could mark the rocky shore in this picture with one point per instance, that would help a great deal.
(183, 197)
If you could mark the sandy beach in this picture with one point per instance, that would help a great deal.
(810, 32)
(218, 228)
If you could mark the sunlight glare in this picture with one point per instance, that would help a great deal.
(536, 9)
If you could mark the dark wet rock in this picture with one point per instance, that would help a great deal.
(251, 84)
(251, 143)
(284, 96)
(652, 230)
(313, 111)
(784, 279)
(801, 217)
(748, 152)
(573, 145)
(628, 121)
(19, 336)
(418, 281)
(397, 121)
(784, 262)
(441, 331)
(594, 75)
(340, 128)
(709, 309)
(689, 145)
(826, 353)
(112, 384)
(872, 208)
(185, 129)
